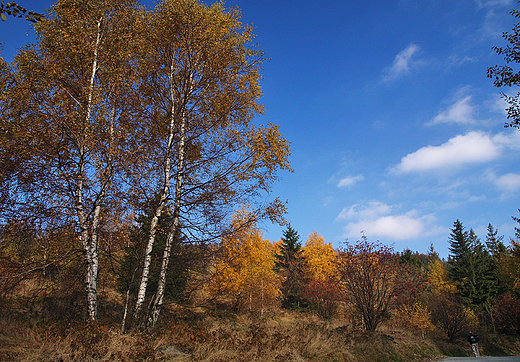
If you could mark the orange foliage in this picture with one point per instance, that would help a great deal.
(244, 268)
(320, 258)
(415, 316)
(438, 275)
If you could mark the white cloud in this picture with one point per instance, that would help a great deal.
(377, 220)
(497, 104)
(461, 111)
(373, 209)
(402, 63)
(456, 60)
(510, 140)
(350, 180)
(508, 182)
(492, 26)
(473, 147)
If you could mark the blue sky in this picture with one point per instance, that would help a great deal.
(395, 129)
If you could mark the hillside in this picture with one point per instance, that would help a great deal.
(209, 335)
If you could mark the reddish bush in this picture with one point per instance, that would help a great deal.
(507, 314)
(375, 281)
(324, 296)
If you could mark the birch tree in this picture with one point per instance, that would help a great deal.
(244, 268)
(66, 108)
(320, 258)
(198, 91)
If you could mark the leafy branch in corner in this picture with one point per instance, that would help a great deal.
(18, 11)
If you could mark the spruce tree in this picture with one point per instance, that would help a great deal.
(290, 264)
(460, 252)
(471, 267)
(485, 281)
(494, 243)
(290, 249)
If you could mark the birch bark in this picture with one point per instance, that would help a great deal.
(89, 246)
(159, 296)
(67, 82)
(141, 294)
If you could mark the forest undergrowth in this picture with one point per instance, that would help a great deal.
(210, 334)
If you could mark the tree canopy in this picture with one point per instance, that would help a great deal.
(116, 110)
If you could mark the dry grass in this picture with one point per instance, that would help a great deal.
(285, 336)
(209, 336)
(292, 336)
(72, 343)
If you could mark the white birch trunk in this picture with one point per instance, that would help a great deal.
(172, 232)
(127, 302)
(89, 242)
(141, 294)
(174, 227)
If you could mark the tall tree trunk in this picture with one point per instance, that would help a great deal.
(92, 267)
(141, 294)
(89, 233)
(262, 306)
(174, 228)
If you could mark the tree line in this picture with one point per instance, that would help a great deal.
(370, 283)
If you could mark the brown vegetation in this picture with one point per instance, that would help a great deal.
(204, 334)
(207, 336)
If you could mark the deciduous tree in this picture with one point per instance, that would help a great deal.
(198, 90)
(320, 258)
(449, 313)
(439, 277)
(321, 268)
(244, 268)
(415, 316)
(372, 277)
(507, 313)
(13, 9)
(66, 114)
(505, 75)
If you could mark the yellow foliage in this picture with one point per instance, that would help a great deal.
(415, 316)
(438, 275)
(244, 268)
(320, 258)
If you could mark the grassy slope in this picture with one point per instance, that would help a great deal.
(210, 336)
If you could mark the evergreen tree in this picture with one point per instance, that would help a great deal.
(498, 251)
(471, 267)
(517, 229)
(494, 243)
(290, 264)
(414, 259)
(460, 252)
(182, 258)
(289, 250)
(485, 280)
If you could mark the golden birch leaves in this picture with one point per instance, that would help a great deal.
(244, 270)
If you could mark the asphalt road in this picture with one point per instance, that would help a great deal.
(482, 359)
